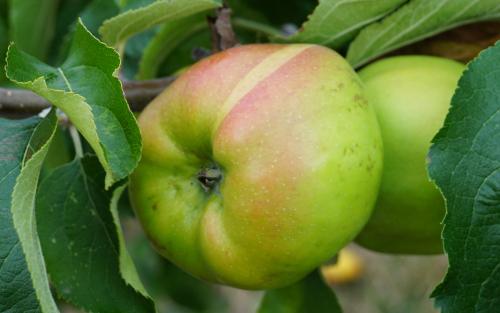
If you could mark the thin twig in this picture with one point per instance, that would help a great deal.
(137, 93)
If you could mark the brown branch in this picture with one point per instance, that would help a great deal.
(137, 93)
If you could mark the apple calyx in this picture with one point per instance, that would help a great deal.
(209, 177)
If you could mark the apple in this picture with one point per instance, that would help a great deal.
(411, 96)
(259, 163)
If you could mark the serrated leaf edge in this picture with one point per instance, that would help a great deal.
(127, 267)
(115, 39)
(34, 261)
(357, 61)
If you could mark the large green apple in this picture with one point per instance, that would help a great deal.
(259, 164)
(411, 96)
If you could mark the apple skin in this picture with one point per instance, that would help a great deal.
(300, 154)
(411, 96)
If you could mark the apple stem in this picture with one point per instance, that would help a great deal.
(223, 36)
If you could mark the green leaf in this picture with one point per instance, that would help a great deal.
(335, 22)
(117, 29)
(127, 267)
(415, 21)
(32, 25)
(309, 295)
(82, 241)
(169, 37)
(24, 285)
(465, 164)
(86, 88)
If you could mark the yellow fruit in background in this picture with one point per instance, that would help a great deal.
(348, 268)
